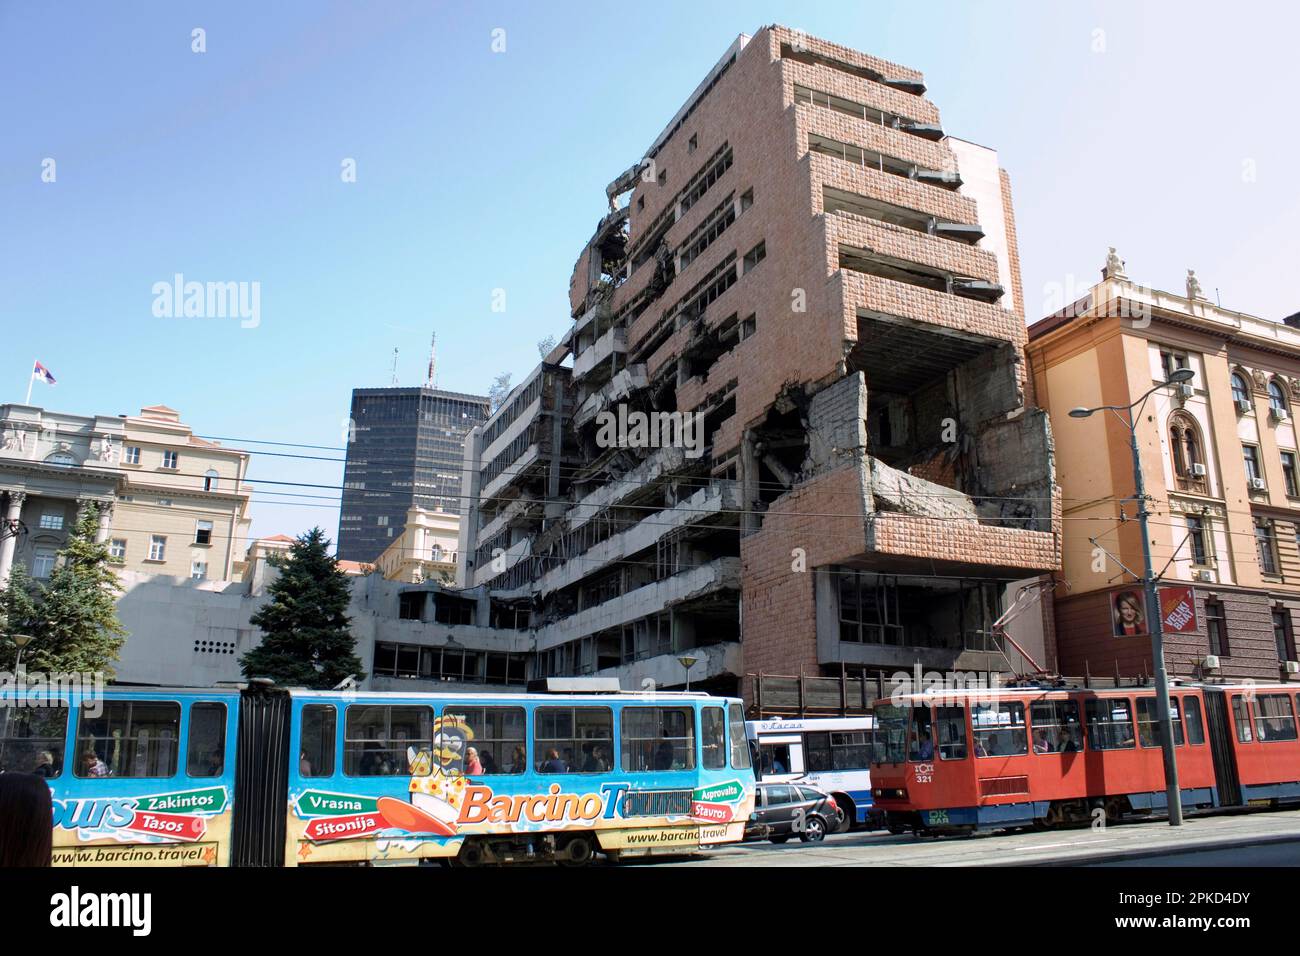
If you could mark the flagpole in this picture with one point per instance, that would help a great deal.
(31, 377)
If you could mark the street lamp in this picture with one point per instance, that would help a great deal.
(688, 662)
(1172, 792)
(21, 640)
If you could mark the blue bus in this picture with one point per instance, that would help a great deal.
(268, 776)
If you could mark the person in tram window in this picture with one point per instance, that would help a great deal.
(519, 760)
(473, 765)
(553, 763)
(44, 765)
(980, 749)
(304, 764)
(1065, 742)
(664, 756)
(1041, 744)
(924, 747)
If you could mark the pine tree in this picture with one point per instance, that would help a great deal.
(19, 614)
(72, 616)
(308, 641)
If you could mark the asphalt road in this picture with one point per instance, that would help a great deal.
(1242, 839)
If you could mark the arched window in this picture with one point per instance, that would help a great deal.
(210, 480)
(61, 458)
(1277, 398)
(1240, 390)
(1186, 448)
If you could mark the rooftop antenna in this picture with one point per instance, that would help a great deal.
(394, 383)
(433, 361)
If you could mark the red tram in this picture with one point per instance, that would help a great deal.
(959, 761)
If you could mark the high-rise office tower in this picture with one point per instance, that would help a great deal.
(405, 448)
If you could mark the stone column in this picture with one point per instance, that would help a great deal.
(105, 521)
(9, 530)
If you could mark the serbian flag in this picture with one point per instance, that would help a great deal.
(43, 373)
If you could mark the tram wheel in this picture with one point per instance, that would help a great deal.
(577, 851)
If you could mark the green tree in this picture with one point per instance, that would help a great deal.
(73, 615)
(308, 639)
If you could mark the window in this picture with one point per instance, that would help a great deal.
(410, 605)
(748, 327)
(1277, 399)
(198, 570)
(1250, 455)
(52, 521)
(1265, 546)
(779, 793)
(1056, 726)
(693, 143)
(657, 738)
(495, 735)
(1288, 472)
(1192, 715)
(1241, 717)
(316, 755)
(43, 563)
(210, 480)
(1282, 635)
(1185, 445)
(131, 455)
(130, 738)
(920, 739)
(1171, 362)
(1215, 630)
(1110, 723)
(740, 759)
(1274, 718)
(1149, 723)
(376, 739)
(171, 460)
(836, 750)
(565, 736)
(117, 550)
(999, 729)
(32, 739)
(713, 737)
(746, 199)
(754, 257)
(774, 758)
(165, 502)
(157, 547)
(205, 754)
(950, 726)
(890, 732)
(1240, 391)
(1197, 540)
(203, 532)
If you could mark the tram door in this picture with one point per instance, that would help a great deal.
(261, 778)
(1221, 748)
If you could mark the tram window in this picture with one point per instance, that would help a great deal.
(495, 733)
(1149, 722)
(713, 737)
(1241, 717)
(376, 739)
(205, 752)
(774, 758)
(564, 737)
(740, 757)
(32, 739)
(657, 738)
(1110, 723)
(888, 743)
(1056, 726)
(1192, 717)
(318, 727)
(999, 729)
(817, 752)
(920, 739)
(130, 738)
(951, 728)
(1274, 719)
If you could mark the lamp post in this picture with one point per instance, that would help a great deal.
(688, 662)
(21, 641)
(1172, 792)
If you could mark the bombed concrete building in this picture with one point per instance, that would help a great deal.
(816, 291)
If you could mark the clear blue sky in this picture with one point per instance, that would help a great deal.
(479, 170)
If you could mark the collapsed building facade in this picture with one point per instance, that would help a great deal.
(806, 267)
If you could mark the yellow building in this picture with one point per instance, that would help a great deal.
(1219, 457)
(169, 502)
(425, 550)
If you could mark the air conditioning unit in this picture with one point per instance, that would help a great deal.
(1198, 470)
(1257, 484)
(1293, 667)
(1211, 662)
(1243, 406)
(1185, 391)
(1278, 414)
(1206, 576)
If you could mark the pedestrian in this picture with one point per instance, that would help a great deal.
(26, 821)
